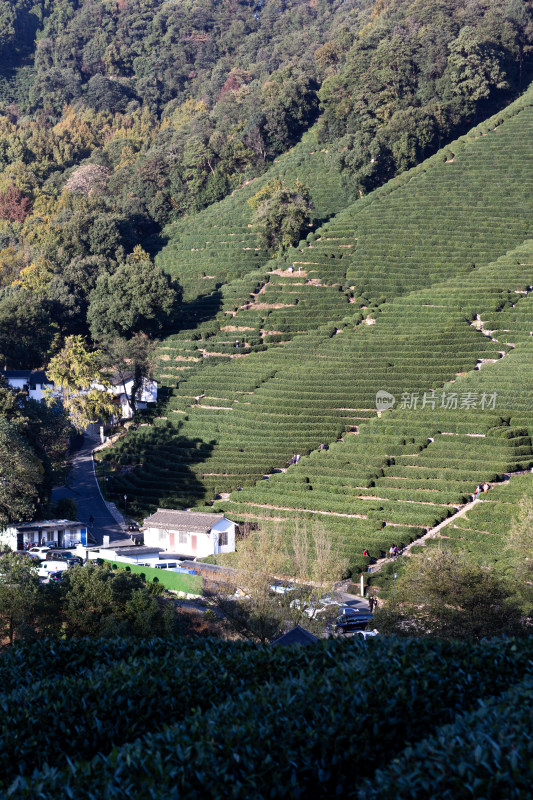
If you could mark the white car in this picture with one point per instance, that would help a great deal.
(40, 552)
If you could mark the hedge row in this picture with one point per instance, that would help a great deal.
(316, 733)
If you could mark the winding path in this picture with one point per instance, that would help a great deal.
(82, 487)
(429, 535)
(434, 531)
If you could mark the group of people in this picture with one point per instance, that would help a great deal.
(481, 487)
(393, 551)
(294, 459)
(372, 604)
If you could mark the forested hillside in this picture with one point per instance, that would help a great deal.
(119, 117)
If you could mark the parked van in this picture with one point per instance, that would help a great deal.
(47, 567)
(166, 565)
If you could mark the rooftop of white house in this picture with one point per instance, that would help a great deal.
(191, 521)
(45, 524)
(33, 376)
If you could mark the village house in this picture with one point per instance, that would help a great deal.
(34, 381)
(189, 533)
(122, 387)
(50, 532)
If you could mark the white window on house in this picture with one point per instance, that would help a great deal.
(223, 538)
(183, 538)
(163, 536)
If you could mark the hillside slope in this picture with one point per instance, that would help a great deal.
(424, 260)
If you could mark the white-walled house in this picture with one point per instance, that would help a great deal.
(189, 533)
(32, 381)
(122, 388)
(62, 532)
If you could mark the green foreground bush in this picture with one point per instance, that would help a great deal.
(219, 720)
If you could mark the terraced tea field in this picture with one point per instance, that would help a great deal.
(423, 290)
(215, 256)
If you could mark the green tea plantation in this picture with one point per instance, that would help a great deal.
(188, 719)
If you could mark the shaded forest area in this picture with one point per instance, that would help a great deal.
(119, 117)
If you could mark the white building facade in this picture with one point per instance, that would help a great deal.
(33, 382)
(122, 389)
(56, 532)
(189, 533)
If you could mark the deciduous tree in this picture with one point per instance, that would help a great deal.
(14, 205)
(76, 375)
(137, 298)
(18, 596)
(281, 214)
(21, 475)
(446, 594)
(247, 600)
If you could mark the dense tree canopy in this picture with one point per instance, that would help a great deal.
(137, 297)
(448, 595)
(97, 602)
(136, 113)
(21, 475)
(282, 214)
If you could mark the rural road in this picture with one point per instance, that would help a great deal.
(82, 487)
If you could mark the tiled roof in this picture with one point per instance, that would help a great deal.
(47, 523)
(295, 636)
(28, 375)
(193, 521)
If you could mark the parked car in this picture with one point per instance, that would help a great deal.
(64, 555)
(280, 588)
(48, 568)
(351, 623)
(348, 611)
(40, 552)
(28, 555)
